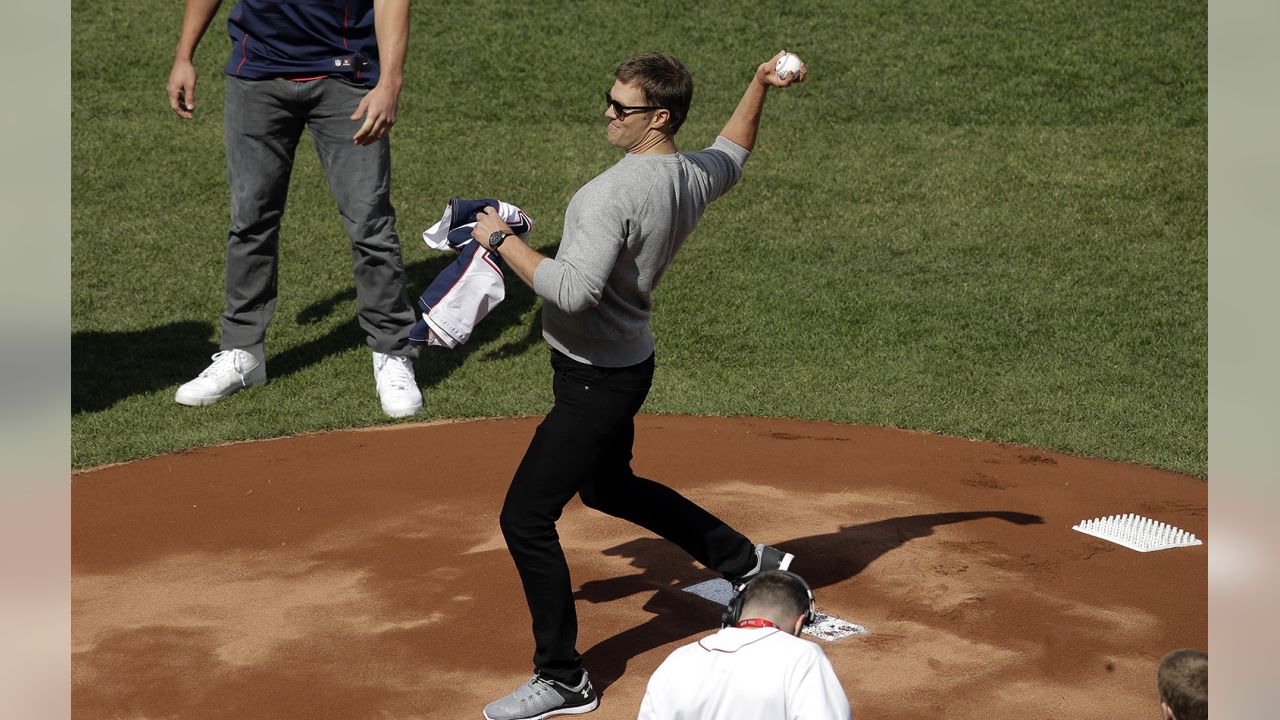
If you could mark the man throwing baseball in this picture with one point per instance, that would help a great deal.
(621, 232)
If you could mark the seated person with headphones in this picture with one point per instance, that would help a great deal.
(755, 667)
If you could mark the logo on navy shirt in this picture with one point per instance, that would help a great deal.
(352, 61)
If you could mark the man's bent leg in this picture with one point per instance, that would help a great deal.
(671, 516)
(565, 450)
(616, 490)
(262, 128)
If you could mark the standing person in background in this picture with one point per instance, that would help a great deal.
(337, 69)
(621, 232)
(1183, 685)
(756, 667)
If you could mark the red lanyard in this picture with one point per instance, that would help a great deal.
(756, 623)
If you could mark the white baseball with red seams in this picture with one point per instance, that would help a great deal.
(787, 66)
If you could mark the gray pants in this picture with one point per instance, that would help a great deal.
(264, 122)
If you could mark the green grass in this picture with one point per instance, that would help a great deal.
(985, 219)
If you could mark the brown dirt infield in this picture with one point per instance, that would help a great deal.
(361, 574)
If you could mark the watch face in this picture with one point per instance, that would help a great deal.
(496, 238)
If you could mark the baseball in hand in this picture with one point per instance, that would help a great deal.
(788, 65)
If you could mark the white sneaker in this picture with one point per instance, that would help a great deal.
(397, 388)
(231, 370)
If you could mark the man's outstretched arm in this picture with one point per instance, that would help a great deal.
(745, 121)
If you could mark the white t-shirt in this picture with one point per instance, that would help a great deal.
(746, 674)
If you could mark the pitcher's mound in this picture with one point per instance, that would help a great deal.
(362, 575)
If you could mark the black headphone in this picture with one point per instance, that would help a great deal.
(733, 611)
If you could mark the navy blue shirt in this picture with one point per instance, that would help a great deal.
(303, 38)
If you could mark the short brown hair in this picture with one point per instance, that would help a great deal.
(778, 590)
(1183, 683)
(664, 81)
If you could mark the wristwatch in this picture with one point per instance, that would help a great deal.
(496, 239)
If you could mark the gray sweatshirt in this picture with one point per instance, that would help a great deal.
(621, 231)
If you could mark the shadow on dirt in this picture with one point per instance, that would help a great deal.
(822, 560)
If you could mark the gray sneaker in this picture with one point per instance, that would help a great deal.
(767, 558)
(542, 698)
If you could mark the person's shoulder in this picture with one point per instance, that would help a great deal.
(675, 661)
(814, 656)
(719, 167)
(625, 185)
(696, 647)
(722, 149)
(599, 189)
(798, 646)
(624, 174)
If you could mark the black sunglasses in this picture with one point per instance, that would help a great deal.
(621, 110)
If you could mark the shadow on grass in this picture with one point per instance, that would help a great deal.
(435, 364)
(107, 367)
(822, 560)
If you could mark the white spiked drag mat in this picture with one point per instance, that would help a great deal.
(1137, 532)
(824, 627)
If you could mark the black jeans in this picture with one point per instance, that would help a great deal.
(584, 446)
